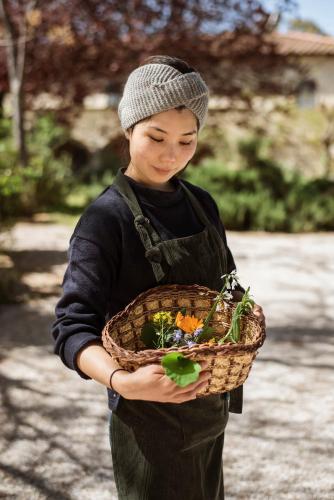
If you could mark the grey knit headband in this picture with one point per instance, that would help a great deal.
(153, 88)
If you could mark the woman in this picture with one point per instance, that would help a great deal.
(165, 443)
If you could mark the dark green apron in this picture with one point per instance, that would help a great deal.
(166, 450)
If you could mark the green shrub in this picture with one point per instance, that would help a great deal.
(85, 192)
(311, 205)
(266, 197)
(45, 181)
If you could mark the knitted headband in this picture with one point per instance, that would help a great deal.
(153, 88)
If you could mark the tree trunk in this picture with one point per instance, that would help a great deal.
(18, 121)
(15, 50)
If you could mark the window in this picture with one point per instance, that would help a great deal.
(306, 94)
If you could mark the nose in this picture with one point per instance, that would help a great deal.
(169, 154)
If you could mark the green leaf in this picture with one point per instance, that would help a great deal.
(148, 334)
(181, 370)
(183, 311)
(206, 334)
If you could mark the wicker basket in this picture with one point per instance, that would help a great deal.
(229, 363)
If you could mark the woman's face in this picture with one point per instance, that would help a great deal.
(161, 146)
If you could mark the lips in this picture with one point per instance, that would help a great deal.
(162, 170)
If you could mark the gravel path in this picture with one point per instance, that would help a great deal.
(53, 445)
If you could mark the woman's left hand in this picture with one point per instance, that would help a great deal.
(258, 312)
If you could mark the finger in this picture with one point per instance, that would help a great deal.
(192, 394)
(203, 381)
(187, 394)
(258, 314)
(256, 307)
(157, 368)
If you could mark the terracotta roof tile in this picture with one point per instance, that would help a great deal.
(303, 44)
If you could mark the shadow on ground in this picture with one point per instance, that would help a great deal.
(54, 425)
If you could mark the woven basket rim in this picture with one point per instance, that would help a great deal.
(201, 348)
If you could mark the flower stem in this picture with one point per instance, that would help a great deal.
(214, 305)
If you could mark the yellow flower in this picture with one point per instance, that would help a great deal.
(163, 317)
(188, 323)
(212, 341)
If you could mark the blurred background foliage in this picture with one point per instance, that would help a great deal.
(45, 181)
(253, 191)
(268, 163)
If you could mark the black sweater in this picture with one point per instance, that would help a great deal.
(107, 267)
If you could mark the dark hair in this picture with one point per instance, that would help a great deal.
(176, 63)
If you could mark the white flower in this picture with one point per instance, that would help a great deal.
(231, 276)
(234, 284)
(227, 295)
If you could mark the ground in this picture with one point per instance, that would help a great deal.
(54, 425)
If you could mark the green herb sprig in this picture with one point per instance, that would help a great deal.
(230, 281)
(244, 306)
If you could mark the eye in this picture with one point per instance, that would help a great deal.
(161, 140)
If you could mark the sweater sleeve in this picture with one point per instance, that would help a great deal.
(82, 308)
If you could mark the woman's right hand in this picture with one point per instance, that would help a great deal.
(150, 383)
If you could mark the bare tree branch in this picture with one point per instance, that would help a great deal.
(10, 35)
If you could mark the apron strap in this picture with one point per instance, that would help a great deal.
(149, 237)
(204, 219)
(142, 224)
